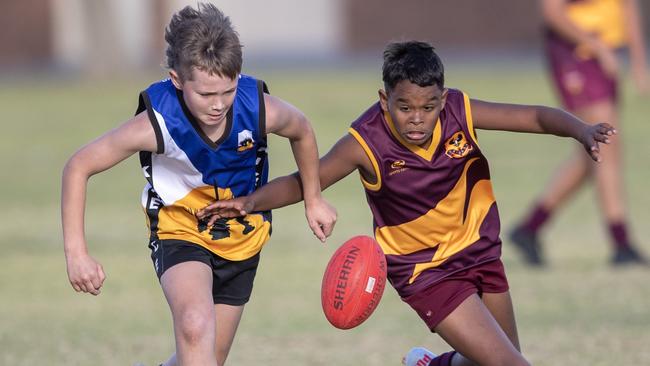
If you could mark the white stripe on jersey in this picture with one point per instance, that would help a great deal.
(173, 174)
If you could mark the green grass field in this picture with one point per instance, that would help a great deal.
(579, 311)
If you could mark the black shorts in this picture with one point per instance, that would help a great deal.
(232, 280)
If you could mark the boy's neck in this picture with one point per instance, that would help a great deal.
(213, 132)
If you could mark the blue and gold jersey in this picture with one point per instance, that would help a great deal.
(188, 170)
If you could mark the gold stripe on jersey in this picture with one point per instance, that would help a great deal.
(601, 17)
(178, 221)
(443, 226)
(375, 166)
(427, 153)
(469, 119)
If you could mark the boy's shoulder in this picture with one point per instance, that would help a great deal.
(164, 86)
(371, 114)
(453, 92)
(456, 104)
(247, 80)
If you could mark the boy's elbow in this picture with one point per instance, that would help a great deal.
(75, 166)
(305, 129)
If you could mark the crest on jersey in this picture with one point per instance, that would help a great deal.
(397, 166)
(244, 140)
(457, 146)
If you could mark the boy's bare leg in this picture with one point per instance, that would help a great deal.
(500, 306)
(188, 289)
(476, 335)
(227, 321)
(228, 317)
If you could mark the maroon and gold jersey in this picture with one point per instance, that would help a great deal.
(433, 209)
(604, 19)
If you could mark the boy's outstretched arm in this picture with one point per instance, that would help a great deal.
(540, 119)
(344, 157)
(84, 272)
(285, 120)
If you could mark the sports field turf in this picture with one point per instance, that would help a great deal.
(579, 311)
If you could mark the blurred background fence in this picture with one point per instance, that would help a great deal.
(99, 36)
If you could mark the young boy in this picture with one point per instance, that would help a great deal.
(582, 37)
(201, 136)
(428, 186)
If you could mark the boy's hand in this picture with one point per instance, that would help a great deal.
(321, 217)
(592, 135)
(240, 206)
(85, 274)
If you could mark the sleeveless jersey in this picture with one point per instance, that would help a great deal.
(188, 170)
(434, 212)
(602, 18)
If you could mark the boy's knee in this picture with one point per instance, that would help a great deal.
(193, 325)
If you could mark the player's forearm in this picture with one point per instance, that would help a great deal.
(279, 192)
(73, 198)
(558, 122)
(305, 151)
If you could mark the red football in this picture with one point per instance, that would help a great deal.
(353, 283)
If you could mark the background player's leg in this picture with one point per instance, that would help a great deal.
(608, 172)
(188, 289)
(227, 317)
(609, 184)
(475, 334)
(565, 181)
(571, 175)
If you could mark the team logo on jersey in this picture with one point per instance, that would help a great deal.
(457, 146)
(244, 140)
(397, 166)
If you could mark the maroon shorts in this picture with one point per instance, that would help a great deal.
(436, 302)
(579, 82)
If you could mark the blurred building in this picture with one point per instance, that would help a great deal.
(103, 36)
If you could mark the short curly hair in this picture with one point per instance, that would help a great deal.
(414, 61)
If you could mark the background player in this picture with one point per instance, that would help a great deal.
(201, 136)
(582, 37)
(428, 186)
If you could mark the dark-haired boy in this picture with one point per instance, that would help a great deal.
(428, 186)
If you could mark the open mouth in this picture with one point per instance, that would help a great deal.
(415, 135)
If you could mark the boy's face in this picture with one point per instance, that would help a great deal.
(207, 96)
(414, 110)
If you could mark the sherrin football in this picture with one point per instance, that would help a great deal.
(353, 282)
